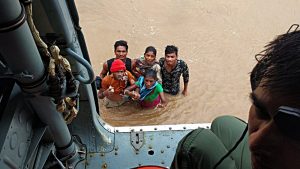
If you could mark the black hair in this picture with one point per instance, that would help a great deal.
(151, 73)
(121, 43)
(171, 49)
(255, 77)
(150, 49)
(278, 67)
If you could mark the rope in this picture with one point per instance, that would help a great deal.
(64, 105)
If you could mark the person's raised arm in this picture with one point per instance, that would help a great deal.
(104, 71)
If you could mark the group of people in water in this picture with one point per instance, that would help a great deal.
(270, 139)
(143, 79)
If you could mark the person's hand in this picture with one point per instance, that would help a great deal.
(161, 105)
(184, 92)
(134, 95)
(100, 94)
(105, 93)
(125, 78)
(109, 91)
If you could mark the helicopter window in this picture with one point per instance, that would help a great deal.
(218, 42)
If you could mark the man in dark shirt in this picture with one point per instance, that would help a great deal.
(121, 50)
(171, 70)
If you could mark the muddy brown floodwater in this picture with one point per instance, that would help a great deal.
(217, 39)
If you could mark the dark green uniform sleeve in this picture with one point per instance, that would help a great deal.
(202, 148)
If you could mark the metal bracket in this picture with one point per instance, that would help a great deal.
(137, 139)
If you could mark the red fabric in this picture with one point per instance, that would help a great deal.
(118, 85)
(117, 65)
(150, 167)
(147, 104)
